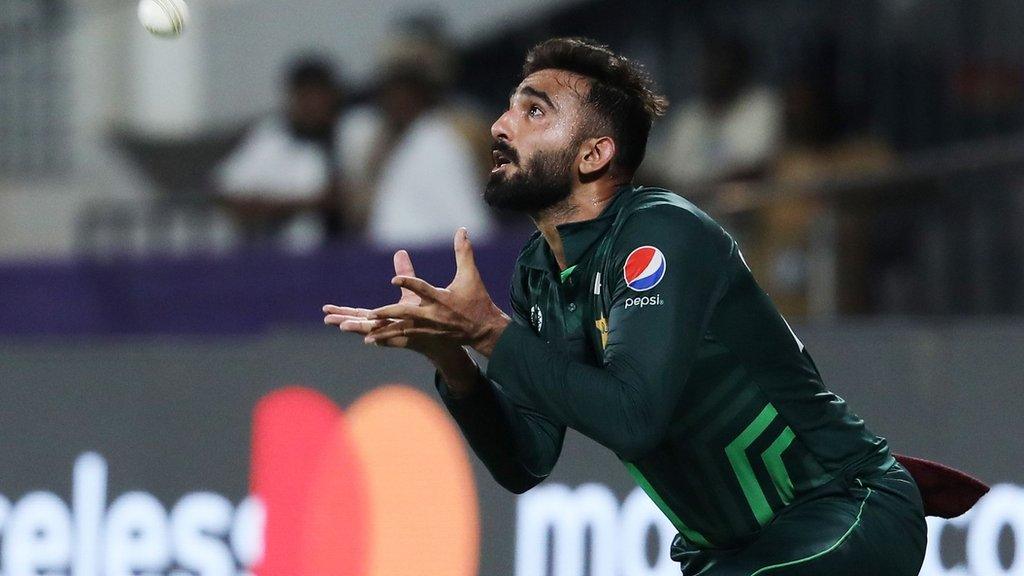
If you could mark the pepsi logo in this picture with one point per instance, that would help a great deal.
(644, 268)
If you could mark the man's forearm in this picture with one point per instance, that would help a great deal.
(460, 374)
(510, 446)
(612, 405)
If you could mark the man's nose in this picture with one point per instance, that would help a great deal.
(500, 128)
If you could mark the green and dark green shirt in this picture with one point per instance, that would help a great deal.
(657, 343)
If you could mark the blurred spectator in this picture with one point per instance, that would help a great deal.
(816, 143)
(730, 132)
(282, 184)
(817, 153)
(411, 160)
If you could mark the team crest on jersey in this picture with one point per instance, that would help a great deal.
(536, 318)
(644, 268)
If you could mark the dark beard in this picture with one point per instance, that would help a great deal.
(543, 181)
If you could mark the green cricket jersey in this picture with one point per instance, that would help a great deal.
(657, 343)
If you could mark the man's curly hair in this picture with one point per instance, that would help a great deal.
(621, 101)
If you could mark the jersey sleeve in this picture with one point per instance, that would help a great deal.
(518, 445)
(668, 269)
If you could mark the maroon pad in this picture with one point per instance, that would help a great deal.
(947, 492)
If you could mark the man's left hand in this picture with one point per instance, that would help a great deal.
(462, 313)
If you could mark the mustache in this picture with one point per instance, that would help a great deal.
(506, 149)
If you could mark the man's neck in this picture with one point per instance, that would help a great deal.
(586, 202)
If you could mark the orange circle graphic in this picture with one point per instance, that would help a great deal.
(419, 484)
(383, 489)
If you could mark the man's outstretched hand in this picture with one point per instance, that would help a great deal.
(357, 320)
(461, 314)
(436, 322)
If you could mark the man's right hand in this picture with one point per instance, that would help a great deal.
(453, 361)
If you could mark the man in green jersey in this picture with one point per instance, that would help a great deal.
(636, 321)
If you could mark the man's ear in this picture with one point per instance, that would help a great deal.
(596, 155)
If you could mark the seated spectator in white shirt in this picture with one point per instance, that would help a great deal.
(732, 131)
(282, 184)
(425, 176)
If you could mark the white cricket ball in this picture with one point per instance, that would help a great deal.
(163, 18)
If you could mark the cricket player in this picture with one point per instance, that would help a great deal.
(635, 321)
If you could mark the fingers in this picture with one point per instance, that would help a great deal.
(353, 323)
(350, 319)
(420, 287)
(390, 331)
(465, 263)
(403, 264)
(345, 311)
(403, 267)
(338, 319)
(401, 312)
(363, 327)
(403, 329)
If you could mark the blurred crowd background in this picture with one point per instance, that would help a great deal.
(868, 155)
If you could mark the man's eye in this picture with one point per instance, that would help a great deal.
(535, 111)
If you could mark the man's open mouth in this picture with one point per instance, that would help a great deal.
(500, 159)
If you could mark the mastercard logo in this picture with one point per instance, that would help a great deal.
(382, 488)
